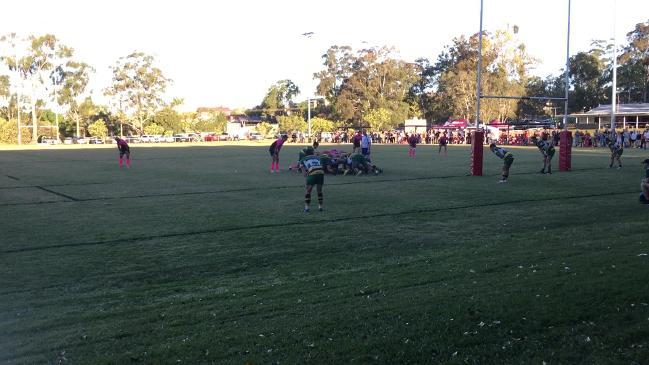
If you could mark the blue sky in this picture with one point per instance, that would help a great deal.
(229, 52)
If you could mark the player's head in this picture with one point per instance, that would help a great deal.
(284, 137)
(315, 144)
(116, 138)
(492, 146)
(646, 163)
(309, 151)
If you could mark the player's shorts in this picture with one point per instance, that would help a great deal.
(642, 199)
(550, 154)
(365, 151)
(124, 152)
(618, 153)
(509, 160)
(272, 153)
(317, 179)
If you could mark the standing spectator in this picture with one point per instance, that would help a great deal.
(366, 143)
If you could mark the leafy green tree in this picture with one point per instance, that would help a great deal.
(292, 123)
(98, 129)
(5, 96)
(588, 80)
(9, 132)
(354, 83)
(33, 59)
(137, 86)
(319, 125)
(216, 123)
(266, 129)
(72, 80)
(279, 97)
(154, 129)
(505, 65)
(168, 119)
(380, 119)
(635, 62)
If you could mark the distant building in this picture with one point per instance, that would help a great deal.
(204, 113)
(242, 125)
(626, 115)
(416, 125)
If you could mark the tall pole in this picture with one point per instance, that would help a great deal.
(20, 135)
(308, 114)
(614, 86)
(567, 76)
(56, 112)
(477, 93)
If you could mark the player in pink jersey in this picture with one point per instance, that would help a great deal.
(274, 152)
(123, 148)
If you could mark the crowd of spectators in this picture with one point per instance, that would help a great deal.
(629, 138)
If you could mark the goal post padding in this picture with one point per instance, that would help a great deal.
(565, 151)
(477, 141)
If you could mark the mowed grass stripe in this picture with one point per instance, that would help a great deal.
(301, 223)
(153, 195)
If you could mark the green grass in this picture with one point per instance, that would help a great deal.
(198, 255)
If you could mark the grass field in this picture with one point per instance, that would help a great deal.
(198, 255)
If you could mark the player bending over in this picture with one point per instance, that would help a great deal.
(547, 150)
(644, 184)
(124, 150)
(507, 158)
(274, 152)
(314, 174)
(616, 152)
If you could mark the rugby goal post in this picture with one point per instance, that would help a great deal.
(478, 135)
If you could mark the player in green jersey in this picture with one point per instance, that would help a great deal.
(644, 184)
(314, 174)
(507, 158)
(616, 152)
(547, 150)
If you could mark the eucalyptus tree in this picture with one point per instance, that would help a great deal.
(137, 87)
(70, 82)
(34, 58)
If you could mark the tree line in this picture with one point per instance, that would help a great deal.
(373, 88)
(368, 87)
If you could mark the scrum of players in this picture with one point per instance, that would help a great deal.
(339, 162)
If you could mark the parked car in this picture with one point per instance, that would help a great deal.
(211, 138)
(169, 139)
(95, 140)
(224, 137)
(49, 140)
(145, 138)
(81, 140)
(68, 140)
(254, 136)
